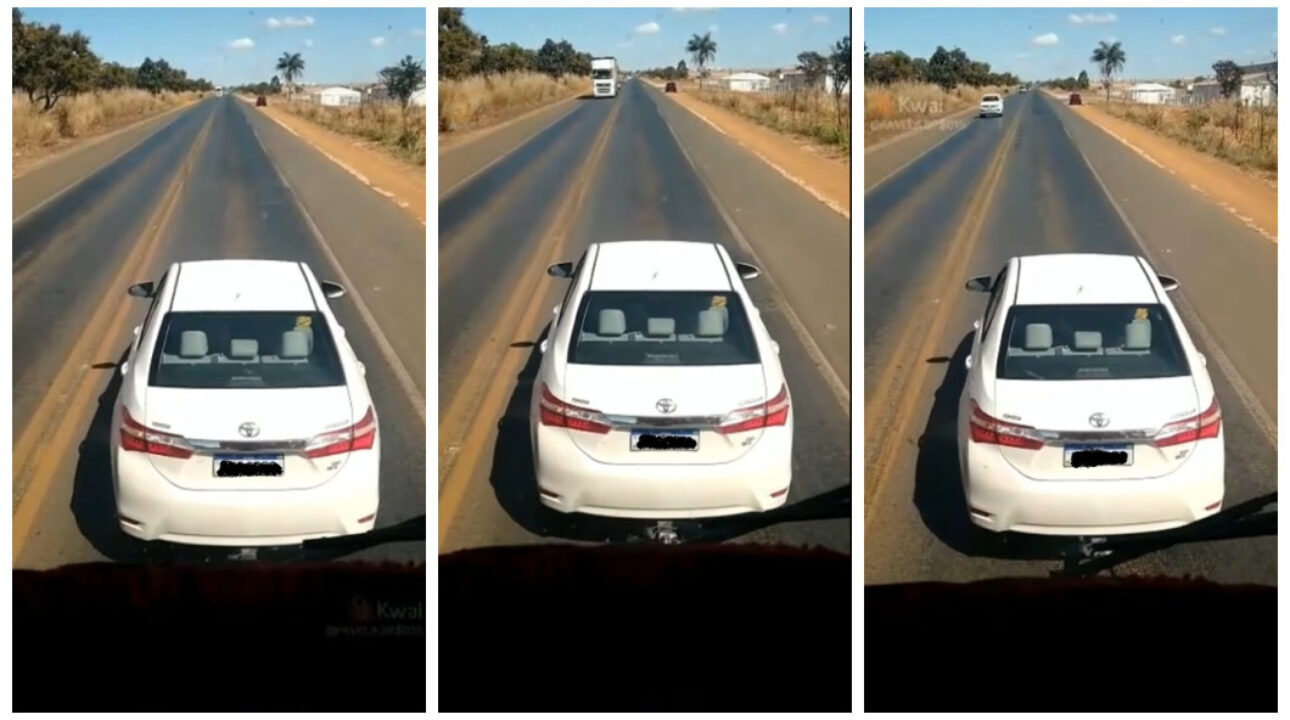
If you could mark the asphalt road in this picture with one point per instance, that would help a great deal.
(206, 183)
(919, 250)
(616, 169)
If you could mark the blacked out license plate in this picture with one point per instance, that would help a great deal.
(1097, 455)
(656, 440)
(248, 465)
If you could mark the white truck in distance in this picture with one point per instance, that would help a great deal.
(604, 77)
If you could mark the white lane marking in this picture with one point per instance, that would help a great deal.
(813, 351)
(942, 122)
(401, 374)
(445, 193)
(789, 176)
(1248, 398)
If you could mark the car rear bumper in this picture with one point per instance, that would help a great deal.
(1000, 498)
(149, 507)
(570, 481)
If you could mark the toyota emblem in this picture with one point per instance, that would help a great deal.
(666, 405)
(248, 429)
(1098, 420)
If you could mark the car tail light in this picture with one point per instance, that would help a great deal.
(1197, 427)
(359, 436)
(136, 437)
(992, 431)
(768, 414)
(558, 413)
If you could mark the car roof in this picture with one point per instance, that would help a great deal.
(659, 265)
(245, 285)
(1083, 279)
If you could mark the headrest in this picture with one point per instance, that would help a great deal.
(612, 322)
(1086, 340)
(711, 323)
(1039, 336)
(192, 344)
(660, 327)
(295, 344)
(1137, 335)
(243, 349)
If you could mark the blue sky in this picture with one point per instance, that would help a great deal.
(652, 37)
(338, 45)
(1038, 44)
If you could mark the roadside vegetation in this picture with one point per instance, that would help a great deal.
(64, 92)
(903, 92)
(817, 108)
(482, 84)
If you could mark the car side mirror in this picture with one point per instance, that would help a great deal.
(332, 290)
(981, 283)
(1168, 283)
(142, 290)
(560, 270)
(542, 346)
(747, 271)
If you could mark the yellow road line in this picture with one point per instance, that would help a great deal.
(49, 436)
(892, 407)
(460, 447)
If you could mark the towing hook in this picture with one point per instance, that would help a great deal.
(664, 531)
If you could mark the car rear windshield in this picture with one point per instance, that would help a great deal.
(989, 98)
(662, 328)
(245, 350)
(1090, 342)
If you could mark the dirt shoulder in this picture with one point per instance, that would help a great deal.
(1249, 197)
(826, 177)
(403, 183)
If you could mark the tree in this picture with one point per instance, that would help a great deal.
(840, 71)
(49, 65)
(459, 46)
(702, 49)
(1110, 59)
(1229, 77)
(401, 81)
(1083, 80)
(1271, 75)
(275, 85)
(682, 71)
(292, 66)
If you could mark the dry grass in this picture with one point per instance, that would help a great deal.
(481, 100)
(84, 115)
(381, 123)
(892, 109)
(809, 113)
(1247, 138)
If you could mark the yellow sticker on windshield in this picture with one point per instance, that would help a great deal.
(718, 301)
(303, 321)
(1141, 314)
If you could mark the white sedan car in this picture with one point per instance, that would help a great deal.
(991, 105)
(1087, 409)
(243, 418)
(660, 393)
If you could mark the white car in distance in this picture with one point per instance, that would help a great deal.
(1087, 409)
(660, 393)
(991, 105)
(243, 417)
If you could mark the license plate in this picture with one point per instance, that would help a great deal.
(654, 440)
(248, 465)
(1098, 455)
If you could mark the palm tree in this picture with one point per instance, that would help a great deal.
(1110, 60)
(702, 49)
(292, 66)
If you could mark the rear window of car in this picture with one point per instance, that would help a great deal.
(989, 98)
(1090, 342)
(662, 328)
(245, 350)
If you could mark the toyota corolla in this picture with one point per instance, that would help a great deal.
(1087, 408)
(244, 418)
(660, 393)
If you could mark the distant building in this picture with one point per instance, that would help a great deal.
(338, 97)
(1149, 93)
(747, 82)
(1255, 87)
(418, 97)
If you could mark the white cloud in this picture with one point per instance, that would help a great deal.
(291, 22)
(1091, 18)
(309, 43)
(712, 28)
(1218, 31)
(418, 32)
(1046, 39)
(695, 10)
(1178, 39)
(242, 44)
(649, 28)
(377, 41)
(780, 28)
(820, 19)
